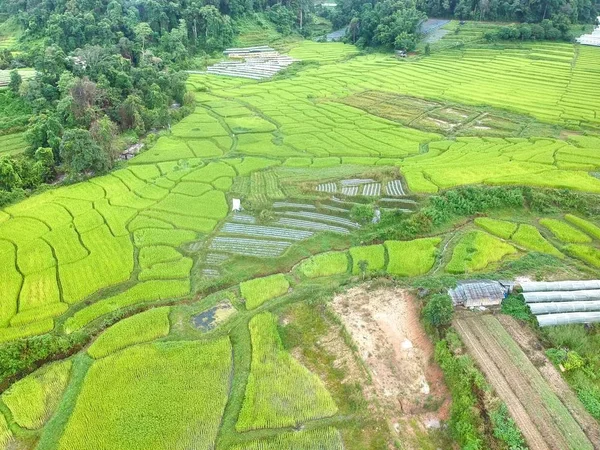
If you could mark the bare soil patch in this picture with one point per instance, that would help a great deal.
(408, 385)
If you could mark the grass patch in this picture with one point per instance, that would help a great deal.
(259, 290)
(374, 255)
(411, 258)
(280, 391)
(475, 251)
(500, 228)
(325, 265)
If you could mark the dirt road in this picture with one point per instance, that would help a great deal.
(543, 419)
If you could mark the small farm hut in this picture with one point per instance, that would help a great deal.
(475, 293)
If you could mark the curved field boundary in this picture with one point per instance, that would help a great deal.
(541, 416)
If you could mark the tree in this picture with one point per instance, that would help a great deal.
(80, 153)
(142, 31)
(15, 81)
(104, 133)
(439, 310)
(9, 176)
(363, 265)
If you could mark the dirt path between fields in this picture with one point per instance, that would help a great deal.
(542, 418)
(408, 384)
(530, 345)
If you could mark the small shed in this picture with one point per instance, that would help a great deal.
(474, 293)
(236, 205)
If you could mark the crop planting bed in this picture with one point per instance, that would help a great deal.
(542, 417)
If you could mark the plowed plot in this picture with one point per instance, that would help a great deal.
(539, 413)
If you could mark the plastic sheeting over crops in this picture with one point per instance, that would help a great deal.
(563, 302)
(539, 286)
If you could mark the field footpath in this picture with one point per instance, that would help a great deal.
(543, 419)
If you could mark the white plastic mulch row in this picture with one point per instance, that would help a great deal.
(265, 231)
(293, 205)
(323, 217)
(395, 188)
(335, 208)
(350, 190)
(245, 218)
(357, 181)
(210, 273)
(250, 247)
(308, 225)
(372, 190)
(327, 187)
(216, 258)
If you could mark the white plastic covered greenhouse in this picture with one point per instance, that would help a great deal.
(562, 302)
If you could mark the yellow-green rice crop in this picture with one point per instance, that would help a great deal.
(585, 225)
(280, 391)
(142, 292)
(168, 270)
(33, 399)
(476, 250)
(156, 396)
(6, 435)
(565, 232)
(374, 255)
(529, 237)
(143, 327)
(587, 253)
(325, 265)
(38, 314)
(30, 329)
(320, 438)
(411, 258)
(500, 228)
(259, 290)
(157, 254)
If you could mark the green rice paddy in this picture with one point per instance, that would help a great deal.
(152, 246)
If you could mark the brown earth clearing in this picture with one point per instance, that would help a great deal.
(406, 382)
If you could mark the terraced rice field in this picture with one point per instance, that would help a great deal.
(12, 144)
(299, 152)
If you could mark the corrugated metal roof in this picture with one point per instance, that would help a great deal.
(478, 293)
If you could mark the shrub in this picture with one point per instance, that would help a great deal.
(439, 310)
(362, 213)
(259, 290)
(505, 428)
(464, 421)
(515, 306)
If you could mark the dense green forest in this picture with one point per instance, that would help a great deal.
(108, 72)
